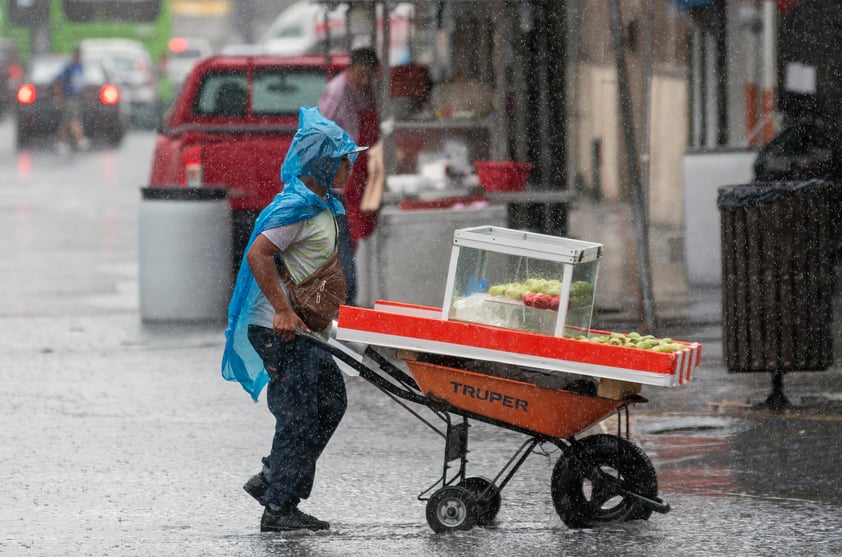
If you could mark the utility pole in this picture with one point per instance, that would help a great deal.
(640, 222)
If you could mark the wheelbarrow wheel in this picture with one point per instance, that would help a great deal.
(451, 508)
(597, 481)
(487, 502)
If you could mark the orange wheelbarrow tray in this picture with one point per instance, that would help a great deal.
(553, 412)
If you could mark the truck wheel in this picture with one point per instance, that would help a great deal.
(115, 137)
(451, 508)
(242, 224)
(594, 484)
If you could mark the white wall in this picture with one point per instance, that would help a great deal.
(598, 118)
(704, 173)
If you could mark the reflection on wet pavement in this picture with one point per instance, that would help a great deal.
(763, 456)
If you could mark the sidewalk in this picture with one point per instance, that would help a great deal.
(692, 314)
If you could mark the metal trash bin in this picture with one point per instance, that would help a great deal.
(777, 261)
(185, 254)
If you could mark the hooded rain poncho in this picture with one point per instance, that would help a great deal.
(316, 150)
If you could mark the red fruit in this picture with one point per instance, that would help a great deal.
(542, 301)
(554, 301)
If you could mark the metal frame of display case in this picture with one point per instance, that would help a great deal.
(524, 244)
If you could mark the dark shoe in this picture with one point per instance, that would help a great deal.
(256, 486)
(291, 520)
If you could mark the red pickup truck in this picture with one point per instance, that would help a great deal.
(232, 124)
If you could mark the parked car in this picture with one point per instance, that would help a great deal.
(11, 75)
(300, 29)
(305, 27)
(39, 111)
(182, 55)
(242, 49)
(135, 73)
(231, 127)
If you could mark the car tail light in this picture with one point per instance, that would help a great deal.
(15, 72)
(178, 44)
(109, 94)
(192, 160)
(26, 94)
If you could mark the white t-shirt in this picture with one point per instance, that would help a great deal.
(303, 247)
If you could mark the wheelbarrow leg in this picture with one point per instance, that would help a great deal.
(456, 446)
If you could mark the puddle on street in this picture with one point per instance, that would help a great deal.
(792, 458)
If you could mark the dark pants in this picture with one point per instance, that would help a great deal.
(306, 394)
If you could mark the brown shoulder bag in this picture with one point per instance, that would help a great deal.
(317, 298)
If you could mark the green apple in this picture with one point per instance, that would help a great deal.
(498, 290)
(516, 292)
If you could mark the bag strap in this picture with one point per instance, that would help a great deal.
(281, 267)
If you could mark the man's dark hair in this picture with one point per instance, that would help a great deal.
(365, 56)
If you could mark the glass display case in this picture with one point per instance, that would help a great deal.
(522, 280)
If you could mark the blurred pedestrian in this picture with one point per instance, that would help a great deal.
(306, 391)
(349, 100)
(70, 85)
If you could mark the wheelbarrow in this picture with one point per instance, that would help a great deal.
(598, 479)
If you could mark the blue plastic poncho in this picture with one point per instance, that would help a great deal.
(316, 150)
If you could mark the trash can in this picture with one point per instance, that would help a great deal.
(185, 254)
(777, 260)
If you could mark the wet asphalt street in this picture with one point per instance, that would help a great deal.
(120, 437)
